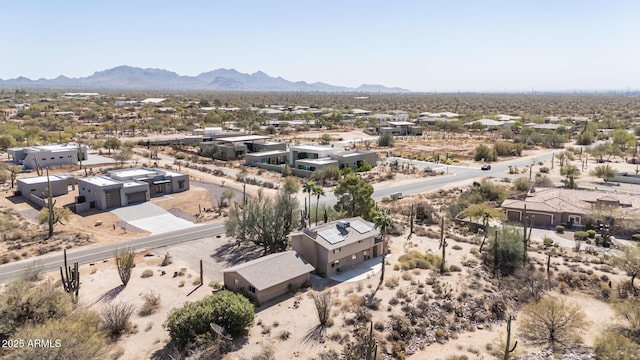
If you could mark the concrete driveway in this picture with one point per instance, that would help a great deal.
(152, 218)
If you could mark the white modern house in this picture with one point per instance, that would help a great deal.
(127, 186)
(47, 155)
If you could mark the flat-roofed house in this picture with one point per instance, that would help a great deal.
(355, 159)
(338, 245)
(36, 189)
(127, 186)
(268, 277)
(47, 155)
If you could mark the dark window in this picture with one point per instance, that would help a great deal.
(181, 184)
(252, 289)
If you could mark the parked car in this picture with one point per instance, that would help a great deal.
(486, 167)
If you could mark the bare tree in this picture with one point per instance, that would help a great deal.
(553, 321)
(322, 301)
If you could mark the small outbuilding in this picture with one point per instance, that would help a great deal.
(268, 277)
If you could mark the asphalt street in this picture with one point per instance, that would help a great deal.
(86, 255)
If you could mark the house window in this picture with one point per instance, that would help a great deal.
(354, 256)
(575, 219)
(252, 289)
(364, 253)
(337, 250)
(181, 184)
(236, 282)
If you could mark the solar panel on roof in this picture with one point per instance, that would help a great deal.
(360, 227)
(333, 236)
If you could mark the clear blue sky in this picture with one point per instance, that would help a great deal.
(422, 45)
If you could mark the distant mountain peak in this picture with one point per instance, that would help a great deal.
(125, 77)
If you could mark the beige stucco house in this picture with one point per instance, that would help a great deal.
(338, 245)
(268, 277)
(555, 206)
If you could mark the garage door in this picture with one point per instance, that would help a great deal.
(137, 197)
(542, 219)
(112, 198)
(513, 216)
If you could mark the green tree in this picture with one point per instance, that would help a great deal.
(354, 197)
(263, 221)
(552, 321)
(486, 153)
(325, 138)
(386, 139)
(570, 170)
(326, 173)
(505, 249)
(232, 311)
(604, 172)
(629, 261)
(123, 155)
(112, 143)
(622, 139)
(7, 141)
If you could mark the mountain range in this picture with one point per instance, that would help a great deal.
(134, 78)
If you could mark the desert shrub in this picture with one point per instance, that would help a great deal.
(544, 170)
(166, 260)
(25, 304)
(580, 235)
(560, 229)
(629, 310)
(552, 321)
(456, 247)
(79, 335)
(150, 305)
(415, 259)
(547, 242)
(386, 139)
(508, 149)
(392, 282)
(484, 153)
(32, 272)
(454, 268)
(146, 273)
(522, 184)
(232, 311)
(615, 346)
(116, 318)
(591, 233)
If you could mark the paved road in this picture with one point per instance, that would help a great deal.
(52, 262)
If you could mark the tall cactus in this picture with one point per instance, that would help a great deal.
(508, 351)
(370, 345)
(525, 219)
(70, 278)
(443, 246)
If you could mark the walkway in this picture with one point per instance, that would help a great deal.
(360, 272)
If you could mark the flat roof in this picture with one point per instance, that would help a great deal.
(100, 181)
(242, 138)
(310, 148)
(40, 179)
(129, 184)
(323, 161)
(267, 153)
(400, 123)
(133, 172)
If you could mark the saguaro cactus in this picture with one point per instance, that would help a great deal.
(443, 246)
(508, 351)
(70, 278)
(371, 346)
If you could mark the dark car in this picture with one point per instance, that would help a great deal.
(486, 167)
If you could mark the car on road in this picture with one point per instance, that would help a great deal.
(486, 167)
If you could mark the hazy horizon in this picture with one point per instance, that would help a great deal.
(444, 47)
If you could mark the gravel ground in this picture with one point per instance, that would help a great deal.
(181, 214)
(215, 191)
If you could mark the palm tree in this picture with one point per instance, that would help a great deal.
(308, 188)
(317, 191)
(383, 222)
